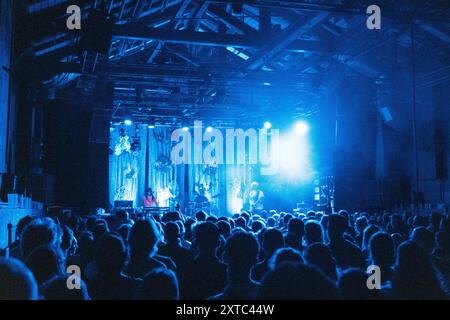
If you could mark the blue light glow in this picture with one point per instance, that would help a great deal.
(301, 127)
(295, 154)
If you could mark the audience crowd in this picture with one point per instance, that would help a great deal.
(270, 255)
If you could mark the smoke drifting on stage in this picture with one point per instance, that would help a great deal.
(216, 165)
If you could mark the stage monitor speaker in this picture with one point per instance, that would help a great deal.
(123, 204)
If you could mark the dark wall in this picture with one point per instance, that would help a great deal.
(80, 168)
(355, 145)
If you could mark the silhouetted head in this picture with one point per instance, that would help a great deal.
(46, 262)
(124, 231)
(292, 240)
(122, 215)
(285, 255)
(319, 255)
(200, 216)
(143, 238)
(414, 276)
(396, 220)
(240, 222)
(353, 286)
(241, 251)
(272, 240)
(361, 224)
(296, 282)
(17, 282)
(287, 217)
(337, 225)
(224, 228)
(188, 228)
(39, 232)
(397, 238)
(270, 222)
(257, 225)
(424, 238)
(171, 232)
(100, 228)
(246, 216)
(345, 214)
(212, 219)
(382, 249)
(296, 226)
(68, 241)
(22, 224)
(56, 289)
(159, 284)
(369, 231)
(313, 232)
(207, 237)
(111, 254)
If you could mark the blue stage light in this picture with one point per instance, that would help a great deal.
(150, 126)
(295, 154)
(301, 127)
(128, 122)
(267, 125)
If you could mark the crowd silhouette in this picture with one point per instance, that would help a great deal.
(267, 256)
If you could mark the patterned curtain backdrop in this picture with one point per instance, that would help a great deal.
(162, 174)
(140, 157)
(126, 162)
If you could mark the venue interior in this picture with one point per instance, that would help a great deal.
(259, 109)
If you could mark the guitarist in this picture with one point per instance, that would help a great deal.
(256, 197)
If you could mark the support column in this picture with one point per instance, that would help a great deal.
(6, 31)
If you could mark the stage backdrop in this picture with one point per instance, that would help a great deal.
(140, 158)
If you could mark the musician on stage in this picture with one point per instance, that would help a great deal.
(200, 199)
(256, 197)
(149, 199)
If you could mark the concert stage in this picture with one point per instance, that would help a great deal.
(211, 169)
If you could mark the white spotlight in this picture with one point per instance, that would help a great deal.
(267, 125)
(209, 129)
(301, 127)
(185, 129)
(128, 122)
